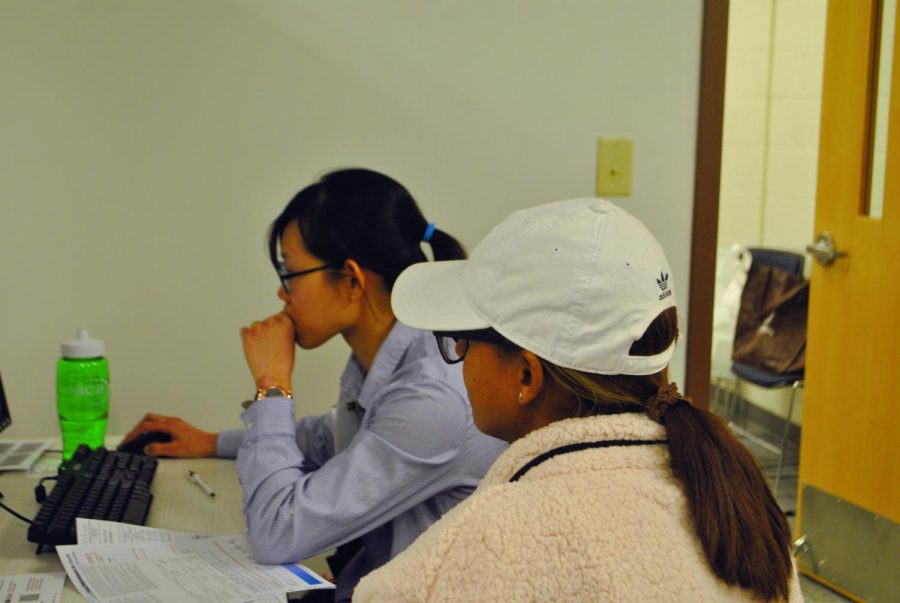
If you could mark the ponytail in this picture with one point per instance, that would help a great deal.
(726, 491)
(445, 247)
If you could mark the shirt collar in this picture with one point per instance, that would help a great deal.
(357, 385)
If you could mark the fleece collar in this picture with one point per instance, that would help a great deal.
(628, 426)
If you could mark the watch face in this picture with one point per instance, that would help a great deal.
(272, 392)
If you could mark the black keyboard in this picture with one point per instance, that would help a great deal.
(97, 484)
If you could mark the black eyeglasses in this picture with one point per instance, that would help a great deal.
(455, 345)
(284, 275)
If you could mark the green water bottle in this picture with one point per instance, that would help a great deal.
(82, 393)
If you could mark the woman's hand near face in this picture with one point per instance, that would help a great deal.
(187, 441)
(269, 350)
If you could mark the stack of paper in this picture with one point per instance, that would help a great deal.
(126, 563)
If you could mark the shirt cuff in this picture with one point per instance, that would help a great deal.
(270, 416)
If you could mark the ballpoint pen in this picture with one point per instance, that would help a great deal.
(195, 477)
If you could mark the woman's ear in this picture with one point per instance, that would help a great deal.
(357, 278)
(531, 377)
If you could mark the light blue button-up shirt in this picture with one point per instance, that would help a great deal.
(397, 453)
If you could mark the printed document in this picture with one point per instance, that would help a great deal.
(98, 531)
(34, 588)
(20, 455)
(137, 564)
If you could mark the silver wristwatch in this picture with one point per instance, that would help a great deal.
(273, 391)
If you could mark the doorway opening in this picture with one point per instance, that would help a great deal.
(767, 196)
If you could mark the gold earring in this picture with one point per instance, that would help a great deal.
(520, 396)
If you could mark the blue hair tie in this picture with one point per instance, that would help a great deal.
(428, 232)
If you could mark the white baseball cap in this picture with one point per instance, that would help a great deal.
(576, 282)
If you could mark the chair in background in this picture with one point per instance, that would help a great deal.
(792, 263)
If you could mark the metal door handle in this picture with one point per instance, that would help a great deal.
(823, 249)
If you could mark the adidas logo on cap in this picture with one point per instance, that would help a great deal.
(663, 283)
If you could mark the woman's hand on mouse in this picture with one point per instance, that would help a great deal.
(187, 440)
(269, 350)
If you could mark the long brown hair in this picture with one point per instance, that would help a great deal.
(743, 532)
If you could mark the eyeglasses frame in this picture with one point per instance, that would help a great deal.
(284, 277)
(488, 335)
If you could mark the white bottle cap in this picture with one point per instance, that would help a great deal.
(83, 346)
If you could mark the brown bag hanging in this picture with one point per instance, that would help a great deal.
(771, 323)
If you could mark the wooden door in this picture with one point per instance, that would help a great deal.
(849, 495)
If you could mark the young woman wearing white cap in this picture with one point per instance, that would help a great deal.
(615, 487)
(400, 447)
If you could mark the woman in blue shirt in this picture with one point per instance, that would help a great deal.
(400, 448)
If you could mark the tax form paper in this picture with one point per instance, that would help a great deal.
(121, 563)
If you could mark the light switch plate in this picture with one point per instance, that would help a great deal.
(614, 166)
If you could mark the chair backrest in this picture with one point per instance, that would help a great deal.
(788, 261)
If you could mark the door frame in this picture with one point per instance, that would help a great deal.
(705, 221)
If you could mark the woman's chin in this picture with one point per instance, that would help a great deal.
(308, 343)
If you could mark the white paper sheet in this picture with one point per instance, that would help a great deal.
(97, 531)
(46, 466)
(135, 564)
(20, 455)
(33, 588)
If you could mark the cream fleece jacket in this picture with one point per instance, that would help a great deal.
(602, 524)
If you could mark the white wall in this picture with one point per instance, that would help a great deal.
(773, 95)
(146, 146)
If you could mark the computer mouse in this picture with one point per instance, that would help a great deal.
(136, 446)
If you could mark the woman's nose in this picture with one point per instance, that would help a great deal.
(282, 294)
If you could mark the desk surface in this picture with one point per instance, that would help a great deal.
(178, 504)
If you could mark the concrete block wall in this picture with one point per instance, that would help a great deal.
(771, 134)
